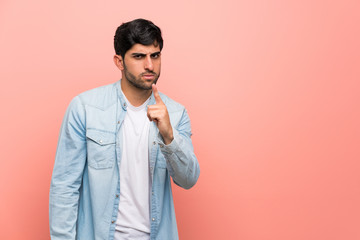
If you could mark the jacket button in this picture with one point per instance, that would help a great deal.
(112, 221)
(153, 219)
(117, 195)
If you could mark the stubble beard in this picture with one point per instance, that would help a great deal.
(137, 82)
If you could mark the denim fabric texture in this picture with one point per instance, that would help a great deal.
(85, 184)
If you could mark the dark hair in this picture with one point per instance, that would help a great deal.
(137, 31)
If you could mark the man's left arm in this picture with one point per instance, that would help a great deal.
(181, 161)
(177, 147)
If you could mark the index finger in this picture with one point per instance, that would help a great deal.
(156, 94)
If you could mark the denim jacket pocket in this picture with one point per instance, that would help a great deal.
(100, 149)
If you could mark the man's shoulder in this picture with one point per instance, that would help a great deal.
(100, 97)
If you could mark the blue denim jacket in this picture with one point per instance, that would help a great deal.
(85, 185)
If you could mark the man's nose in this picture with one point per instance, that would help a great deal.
(149, 64)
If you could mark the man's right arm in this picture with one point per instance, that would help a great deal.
(67, 174)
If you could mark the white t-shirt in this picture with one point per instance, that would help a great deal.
(133, 220)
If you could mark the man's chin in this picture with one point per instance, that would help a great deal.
(146, 86)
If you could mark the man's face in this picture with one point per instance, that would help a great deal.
(142, 65)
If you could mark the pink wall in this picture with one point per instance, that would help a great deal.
(273, 92)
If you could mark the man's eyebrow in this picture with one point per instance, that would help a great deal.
(143, 54)
(138, 54)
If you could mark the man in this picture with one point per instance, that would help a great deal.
(119, 145)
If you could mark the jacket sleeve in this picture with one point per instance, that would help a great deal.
(67, 173)
(181, 161)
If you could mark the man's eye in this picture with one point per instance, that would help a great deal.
(156, 56)
(138, 56)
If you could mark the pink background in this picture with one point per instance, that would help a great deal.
(272, 89)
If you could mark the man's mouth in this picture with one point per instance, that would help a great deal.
(148, 76)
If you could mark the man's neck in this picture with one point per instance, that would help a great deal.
(136, 96)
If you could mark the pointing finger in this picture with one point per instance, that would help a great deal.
(156, 94)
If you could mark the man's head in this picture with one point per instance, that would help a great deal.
(138, 45)
(139, 31)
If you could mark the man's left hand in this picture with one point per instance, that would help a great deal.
(159, 114)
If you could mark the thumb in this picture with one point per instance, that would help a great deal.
(156, 94)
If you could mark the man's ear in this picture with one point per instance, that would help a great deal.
(119, 62)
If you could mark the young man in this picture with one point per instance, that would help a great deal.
(119, 145)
